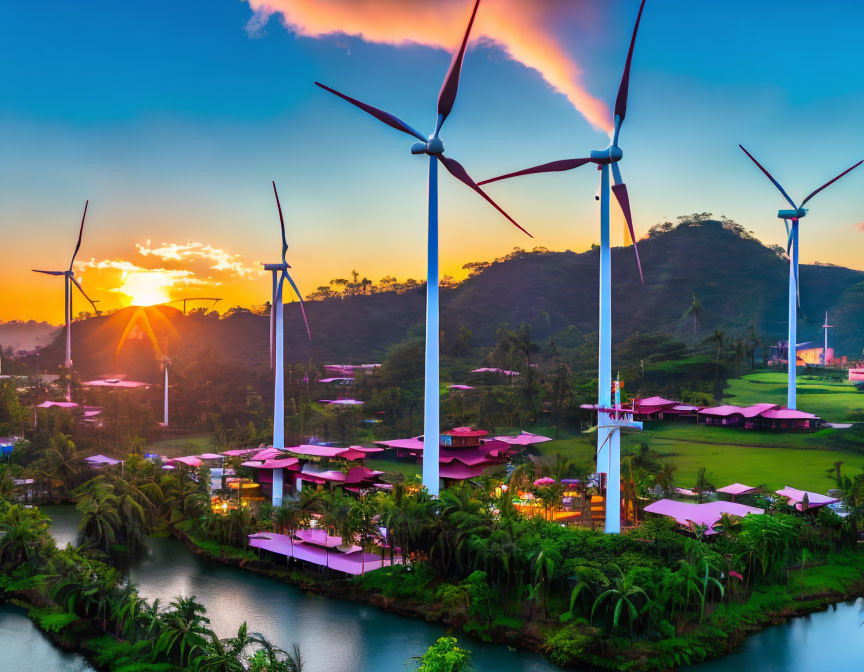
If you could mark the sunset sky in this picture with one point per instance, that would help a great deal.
(173, 116)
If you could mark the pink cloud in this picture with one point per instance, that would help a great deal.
(523, 29)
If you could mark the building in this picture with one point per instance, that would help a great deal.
(759, 416)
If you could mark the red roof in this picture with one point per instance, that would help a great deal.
(466, 431)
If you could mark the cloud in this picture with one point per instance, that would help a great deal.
(524, 29)
(191, 251)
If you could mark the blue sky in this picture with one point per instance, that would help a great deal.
(172, 118)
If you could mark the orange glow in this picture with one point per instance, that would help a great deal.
(146, 288)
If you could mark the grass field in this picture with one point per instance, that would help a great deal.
(755, 458)
(833, 400)
(190, 444)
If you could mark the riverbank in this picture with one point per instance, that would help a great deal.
(576, 644)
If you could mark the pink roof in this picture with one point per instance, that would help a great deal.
(686, 408)
(114, 382)
(255, 464)
(355, 562)
(487, 369)
(267, 453)
(458, 471)
(342, 402)
(722, 411)
(331, 475)
(210, 456)
(787, 414)
(365, 449)
(702, 514)
(284, 463)
(523, 439)
(316, 451)
(415, 443)
(540, 482)
(92, 411)
(189, 461)
(239, 451)
(756, 409)
(657, 401)
(59, 404)
(468, 456)
(358, 474)
(101, 459)
(460, 387)
(796, 498)
(319, 537)
(737, 489)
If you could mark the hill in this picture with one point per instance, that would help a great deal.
(739, 282)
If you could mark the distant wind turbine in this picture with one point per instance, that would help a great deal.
(825, 328)
(434, 148)
(279, 273)
(69, 276)
(608, 439)
(794, 216)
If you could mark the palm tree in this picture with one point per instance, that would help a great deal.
(625, 595)
(23, 534)
(100, 519)
(362, 515)
(694, 311)
(703, 484)
(718, 339)
(184, 630)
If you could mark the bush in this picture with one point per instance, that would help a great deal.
(565, 647)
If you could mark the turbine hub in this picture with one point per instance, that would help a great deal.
(433, 147)
(793, 215)
(602, 157)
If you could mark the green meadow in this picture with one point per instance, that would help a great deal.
(832, 399)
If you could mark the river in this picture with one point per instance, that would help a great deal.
(340, 635)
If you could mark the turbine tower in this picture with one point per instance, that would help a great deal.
(794, 216)
(69, 277)
(608, 438)
(825, 328)
(279, 274)
(433, 147)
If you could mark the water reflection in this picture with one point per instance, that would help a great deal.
(341, 635)
(24, 647)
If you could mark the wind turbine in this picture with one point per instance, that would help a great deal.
(794, 216)
(825, 328)
(608, 439)
(279, 273)
(434, 148)
(69, 276)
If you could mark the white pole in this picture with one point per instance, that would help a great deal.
(791, 396)
(431, 418)
(608, 442)
(166, 395)
(278, 393)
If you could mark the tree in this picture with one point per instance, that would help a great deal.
(184, 630)
(625, 595)
(703, 484)
(694, 311)
(100, 519)
(445, 655)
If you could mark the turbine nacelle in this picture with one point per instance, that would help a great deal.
(604, 157)
(433, 147)
(793, 215)
(276, 267)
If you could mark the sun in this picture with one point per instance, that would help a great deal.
(145, 288)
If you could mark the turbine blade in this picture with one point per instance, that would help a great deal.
(620, 191)
(300, 298)
(80, 234)
(848, 170)
(281, 222)
(768, 175)
(380, 115)
(788, 238)
(81, 289)
(36, 270)
(624, 87)
(551, 167)
(447, 95)
(456, 170)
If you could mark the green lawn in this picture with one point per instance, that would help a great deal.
(190, 444)
(833, 400)
(755, 458)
